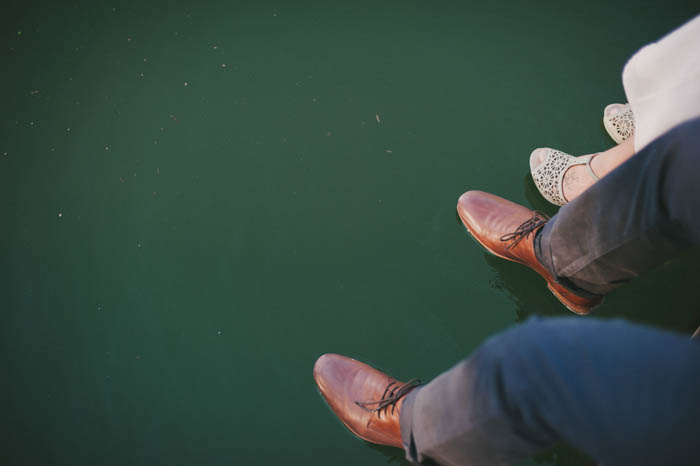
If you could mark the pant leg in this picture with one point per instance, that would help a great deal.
(625, 394)
(643, 213)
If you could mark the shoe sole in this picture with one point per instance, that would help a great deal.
(549, 286)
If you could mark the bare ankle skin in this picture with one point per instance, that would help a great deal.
(577, 179)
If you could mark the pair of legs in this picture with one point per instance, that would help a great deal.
(624, 394)
(660, 82)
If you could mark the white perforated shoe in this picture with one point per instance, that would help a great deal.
(618, 120)
(548, 171)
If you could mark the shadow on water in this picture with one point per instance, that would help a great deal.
(662, 297)
(535, 199)
(392, 455)
(558, 455)
(563, 455)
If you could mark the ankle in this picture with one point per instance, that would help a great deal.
(540, 245)
(602, 165)
(405, 410)
(605, 162)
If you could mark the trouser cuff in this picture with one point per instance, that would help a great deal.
(543, 253)
(405, 422)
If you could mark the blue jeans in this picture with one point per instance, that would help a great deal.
(624, 394)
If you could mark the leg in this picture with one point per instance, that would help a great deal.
(622, 393)
(607, 161)
(640, 215)
(577, 179)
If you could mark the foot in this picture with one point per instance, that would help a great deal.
(508, 230)
(618, 121)
(577, 178)
(367, 401)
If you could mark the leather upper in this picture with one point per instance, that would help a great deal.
(342, 381)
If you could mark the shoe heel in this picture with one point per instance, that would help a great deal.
(580, 310)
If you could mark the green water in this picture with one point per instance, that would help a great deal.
(200, 199)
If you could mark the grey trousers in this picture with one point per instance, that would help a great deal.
(625, 394)
(640, 215)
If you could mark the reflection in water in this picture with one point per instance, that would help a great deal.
(525, 288)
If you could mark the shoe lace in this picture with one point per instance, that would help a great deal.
(392, 394)
(523, 231)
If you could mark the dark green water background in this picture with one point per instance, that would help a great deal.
(197, 200)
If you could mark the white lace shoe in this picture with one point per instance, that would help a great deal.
(548, 172)
(618, 120)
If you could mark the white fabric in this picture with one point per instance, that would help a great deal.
(662, 83)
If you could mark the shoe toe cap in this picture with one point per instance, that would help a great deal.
(537, 157)
(474, 207)
(488, 217)
(470, 201)
(333, 372)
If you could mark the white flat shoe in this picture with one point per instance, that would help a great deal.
(548, 170)
(618, 120)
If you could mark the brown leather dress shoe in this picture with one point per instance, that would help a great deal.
(507, 230)
(367, 401)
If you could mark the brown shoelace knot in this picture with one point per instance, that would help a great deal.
(523, 231)
(392, 394)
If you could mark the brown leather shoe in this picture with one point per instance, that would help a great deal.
(367, 401)
(507, 230)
